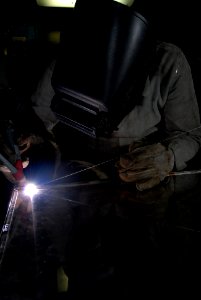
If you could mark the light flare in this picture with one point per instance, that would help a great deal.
(30, 190)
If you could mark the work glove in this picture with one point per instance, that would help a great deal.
(145, 165)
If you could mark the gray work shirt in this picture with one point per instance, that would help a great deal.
(168, 98)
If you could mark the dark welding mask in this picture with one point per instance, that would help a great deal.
(102, 67)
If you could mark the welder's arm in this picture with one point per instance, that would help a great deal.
(42, 98)
(181, 115)
(12, 168)
(14, 173)
(146, 166)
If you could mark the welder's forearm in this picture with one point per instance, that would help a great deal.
(184, 149)
(8, 164)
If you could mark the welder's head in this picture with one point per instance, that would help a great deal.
(106, 53)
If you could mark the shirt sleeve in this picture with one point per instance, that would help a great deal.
(181, 114)
(42, 97)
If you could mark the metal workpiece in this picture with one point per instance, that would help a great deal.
(4, 237)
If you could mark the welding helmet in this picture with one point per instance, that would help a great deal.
(102, 66)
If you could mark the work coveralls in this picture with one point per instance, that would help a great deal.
(169, 104)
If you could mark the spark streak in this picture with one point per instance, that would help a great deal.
(114, 159)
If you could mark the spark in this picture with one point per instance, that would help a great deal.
(114, 159)
(83, 170)
(30, 190)
(181, 134)
(179, 173)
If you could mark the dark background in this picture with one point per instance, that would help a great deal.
(174, 21)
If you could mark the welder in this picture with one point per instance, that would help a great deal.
(148, 108)
(160, 125)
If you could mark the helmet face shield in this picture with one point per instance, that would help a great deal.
(106, 52)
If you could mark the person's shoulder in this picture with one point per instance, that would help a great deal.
(169, 56)
(168, 48)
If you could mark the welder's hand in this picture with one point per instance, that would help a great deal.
(146, 166)
(25, 143)
(11, 177)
